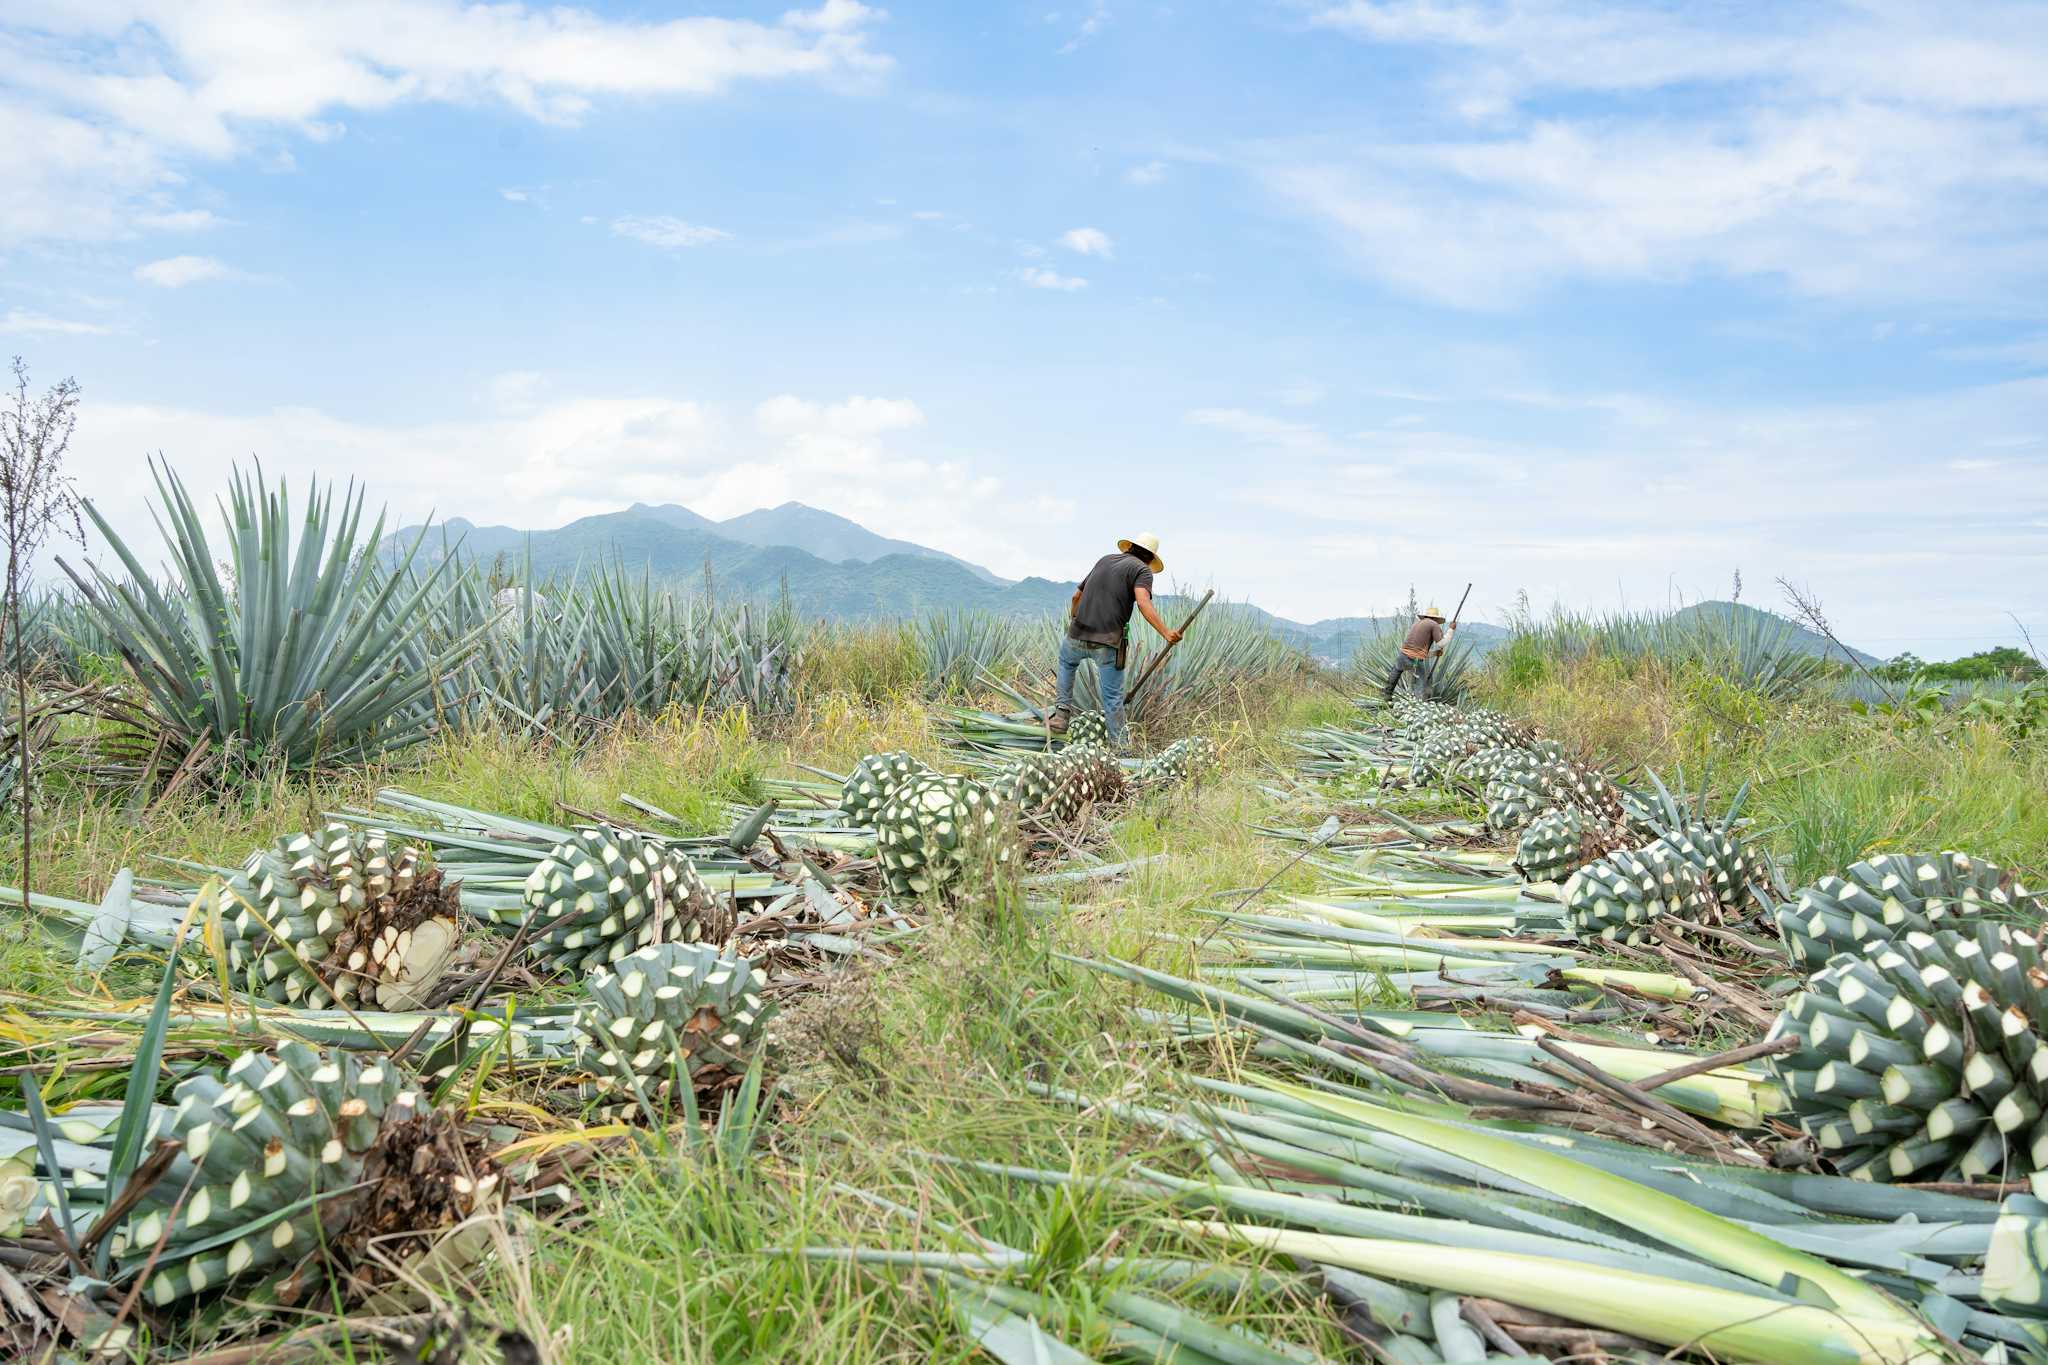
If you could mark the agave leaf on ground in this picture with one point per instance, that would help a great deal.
(1742, 1326)
(299, 656)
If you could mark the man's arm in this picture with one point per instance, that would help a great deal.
(1443, 637)
(1151, 615)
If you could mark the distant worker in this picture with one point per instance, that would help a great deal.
(1099, 628)
(1426, 640)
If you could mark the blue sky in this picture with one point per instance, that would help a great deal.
(1601, 302)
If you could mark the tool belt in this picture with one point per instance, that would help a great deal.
(1417, 654)
(1123, 649)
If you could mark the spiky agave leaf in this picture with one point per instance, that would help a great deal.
(261, 1144)
(606, 892)
(664, 1017)
(926, 830)
(337, 916)
(1924, 1055)
(2016, 1267)
(304, 658)
(874, 780)
(1896, 893)
(1617, 897)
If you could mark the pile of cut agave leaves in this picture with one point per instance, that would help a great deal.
(1408, 1094)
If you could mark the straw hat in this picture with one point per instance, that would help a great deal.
(1149, 544)
(1435, 613)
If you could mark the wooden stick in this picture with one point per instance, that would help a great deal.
(1160, 657)
(1734, 1056)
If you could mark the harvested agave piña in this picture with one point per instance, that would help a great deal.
(261, 1144)
(1923, 1058)
(1559, 842)
(337, 916)
(1898, 893)
(606, 892)
(874, 780)
(924, 832)
(663, 1017)
(1618, 897)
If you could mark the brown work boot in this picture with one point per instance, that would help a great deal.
(1057, 722)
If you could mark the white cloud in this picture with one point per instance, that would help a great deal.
(1305, 393)
(1088, 241)
(664, 231)
(33, 324)
(1146, 174)
(1038, 277)
(1879, 150)
(107, 102)
(1277, 433)
(181, 220)
(545, 463)
(514, 196)
(1090, 25)
(175, 272)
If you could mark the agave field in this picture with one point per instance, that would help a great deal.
(436, 964)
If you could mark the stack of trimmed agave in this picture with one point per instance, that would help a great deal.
(925, 831)
(607, 892)
(1891, 895)
(873, 781)
(664, 1017)
(337, 917)
(1697, 868)
(1184, 760)
(1520, 791)
(1559, 842)
(1923, 1058)
(266, 1149)
(1617, 897)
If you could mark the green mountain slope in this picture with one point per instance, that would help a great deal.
(825, 534)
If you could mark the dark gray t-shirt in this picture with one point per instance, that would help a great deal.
(1109, 594)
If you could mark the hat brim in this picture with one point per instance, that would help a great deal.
(1158, 564)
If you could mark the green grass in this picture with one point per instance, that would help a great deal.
(1830, 786)
(687, 1260)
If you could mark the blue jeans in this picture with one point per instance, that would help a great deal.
(1404, 667)
(1109, 679)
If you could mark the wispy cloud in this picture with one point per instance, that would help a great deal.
(110, 101)
(1091, 24)
(1038, 277)
(663, 231)
(1866, 151)
(1088, 241)
(32, 324)
(182, 220)
(175, 272)
(1146, 173)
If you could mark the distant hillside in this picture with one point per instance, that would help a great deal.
(824, 534)
(1806, 641)
(666, 542)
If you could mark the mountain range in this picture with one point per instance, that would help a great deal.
(835, 568)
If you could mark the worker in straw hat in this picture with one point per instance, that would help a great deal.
(1426, 640)
(1099, 627)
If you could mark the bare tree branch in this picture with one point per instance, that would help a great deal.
(35, 499)
(1808, 607)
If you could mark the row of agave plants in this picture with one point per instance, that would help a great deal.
(295, 639)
